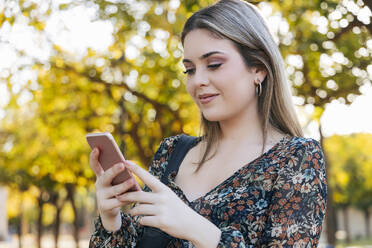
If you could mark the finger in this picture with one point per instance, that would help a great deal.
(119, 189)
(143, 209)
(152, 182)
(110, 174)
(94, 163)
(110, 204)
(150, 220)
(138, 196)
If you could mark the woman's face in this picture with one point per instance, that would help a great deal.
(218, 80)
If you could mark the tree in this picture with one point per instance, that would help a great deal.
(351, 172)
(142, 99)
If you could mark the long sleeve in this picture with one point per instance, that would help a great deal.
(126, 236)
(294, 215)
(298, 201)
(130, 231)
(231, 236)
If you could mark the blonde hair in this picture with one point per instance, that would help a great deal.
(242, 23)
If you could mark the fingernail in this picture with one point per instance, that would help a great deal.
(120, 165)
(95, 150)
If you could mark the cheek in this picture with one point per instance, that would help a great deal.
(189, 89)
(237, 91)
(234, 85)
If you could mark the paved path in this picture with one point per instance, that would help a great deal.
(65, 241)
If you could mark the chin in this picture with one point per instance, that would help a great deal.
(214, 116)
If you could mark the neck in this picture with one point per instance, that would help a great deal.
(242, 128)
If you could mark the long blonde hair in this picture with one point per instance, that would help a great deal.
(242, 23)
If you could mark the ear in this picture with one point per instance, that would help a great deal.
(260, 74)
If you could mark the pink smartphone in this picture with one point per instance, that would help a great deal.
(109, 155)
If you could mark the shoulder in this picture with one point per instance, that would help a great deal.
(303, 142)
(162, 154)
(301, 145)
(167, 144)
(303, 152)
(165, 147)
(304, 163)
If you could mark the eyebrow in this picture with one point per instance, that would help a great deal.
(204, 56)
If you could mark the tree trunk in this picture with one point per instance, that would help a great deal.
(19, 230)
(366, 217)
(123, 118)
(20, 223)
(57, 226)
(71, 197)
(346, 223)
(39, 222)
(331, 214)
(58, 204)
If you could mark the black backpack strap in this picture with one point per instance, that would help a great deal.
(151, 236)
(183, 145)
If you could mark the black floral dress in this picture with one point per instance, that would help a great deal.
(276, 200)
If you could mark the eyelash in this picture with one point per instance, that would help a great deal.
(215, 66)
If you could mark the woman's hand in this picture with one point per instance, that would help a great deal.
(161, 208)
(107, 201)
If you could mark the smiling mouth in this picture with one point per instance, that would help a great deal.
(207, 95)
(207, 99)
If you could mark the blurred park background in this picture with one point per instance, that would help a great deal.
(69, 67)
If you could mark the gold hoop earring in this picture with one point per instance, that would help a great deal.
(259, 89)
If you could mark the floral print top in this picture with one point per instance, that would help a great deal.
(276, 200)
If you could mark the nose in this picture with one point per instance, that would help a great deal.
(200, 78)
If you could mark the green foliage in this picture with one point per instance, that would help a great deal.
(351, 171)
(311, 44)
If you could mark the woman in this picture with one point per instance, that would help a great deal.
(252, 179)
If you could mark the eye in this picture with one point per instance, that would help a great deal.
(213, 66)
(189, 71)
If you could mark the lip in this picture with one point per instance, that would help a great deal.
(205, 95)
(206, 98)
